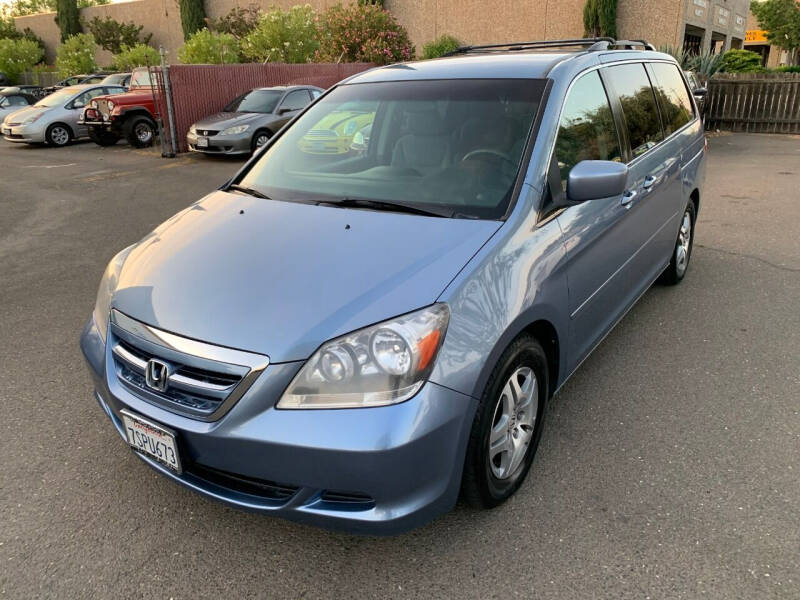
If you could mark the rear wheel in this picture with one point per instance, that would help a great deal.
(259, 139)
(507, 425)
(102, 136)
(58, 134)
(140, 131)
(679, 262)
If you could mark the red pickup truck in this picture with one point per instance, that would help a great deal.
(131, 115)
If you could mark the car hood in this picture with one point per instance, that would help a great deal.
(224, 120)
(280, 278)
(25, 113)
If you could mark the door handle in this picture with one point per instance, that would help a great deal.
(649, 181)
(628, 197)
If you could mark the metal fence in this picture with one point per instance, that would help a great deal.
(202, 90)
(754, 102)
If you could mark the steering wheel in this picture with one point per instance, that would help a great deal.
(490, 152)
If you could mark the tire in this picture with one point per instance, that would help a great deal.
(682, 253)
(260, 138)
(58, 134)
(140, 131)
(102, 137)
(491, 475)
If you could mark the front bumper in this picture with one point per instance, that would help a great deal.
(24, 134)
(374, 470)
(221, 144)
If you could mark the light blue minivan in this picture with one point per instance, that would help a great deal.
(357, 338)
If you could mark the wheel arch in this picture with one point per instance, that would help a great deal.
(63, 124)
(695, 198)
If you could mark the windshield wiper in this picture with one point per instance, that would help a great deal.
(247, 190)
(387, 205)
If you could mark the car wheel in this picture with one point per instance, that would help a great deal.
(259, 139)
(679, 262)
(140, 132)
(102, 137)
(507, 425)
(58, 134)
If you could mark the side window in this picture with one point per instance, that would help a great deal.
(673, 97)
(315, 94)
(586, 130)
(84, 98)
(632, 85)
(17, 101)
(114, 90)
(296, 100)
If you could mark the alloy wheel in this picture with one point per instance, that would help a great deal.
(59, 135)
(143, 133)
(261, 139)
(684, 242)
(513, 423)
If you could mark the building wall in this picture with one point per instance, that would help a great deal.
(657, 21)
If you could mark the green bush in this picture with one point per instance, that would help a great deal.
(366, 33)
(140, 55)
(208, 48)
(788, 69)
(289, 36)
(76, 55)
(440, 46)
(741, 61)
(238, 22)
(112, 35)
(18, 56)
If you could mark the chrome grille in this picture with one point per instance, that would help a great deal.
(322, 133)
(102, 107)
(203, 380)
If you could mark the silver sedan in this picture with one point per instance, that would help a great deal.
(54, 119)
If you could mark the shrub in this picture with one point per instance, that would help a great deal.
(238, 22)
(140, 55)
(112, 35)
(193, 17)
(705, 65)
(18, 56)
(788, 69)
(76, 55)
(208, 48)
(368, 33)
(289, 36)
(679, 54)
(741, 61)
(440, 46)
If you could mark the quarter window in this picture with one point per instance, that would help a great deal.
(673, 97)
(586, 130)
(632, 85)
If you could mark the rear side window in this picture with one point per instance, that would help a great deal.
(632, 85)
(586, 130)
(673, 97)
(296, 100)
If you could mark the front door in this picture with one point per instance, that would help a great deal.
(293, 103)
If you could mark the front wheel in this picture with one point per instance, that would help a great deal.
(259, 139)
(507, 425)
(140, 132)
(679, 262)
(58, 134)
(102, 137)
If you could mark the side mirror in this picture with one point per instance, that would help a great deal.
(593, 179)
(700, 92)
(283, 111)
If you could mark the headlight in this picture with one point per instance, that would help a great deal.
(382, 364)
(30, 120)
(192, 129)
(235, 130)
(93, 104)
(108, 285)
(110, 105)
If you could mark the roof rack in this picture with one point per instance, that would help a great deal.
(590, 44)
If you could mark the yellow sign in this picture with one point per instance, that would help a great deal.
(755, 35)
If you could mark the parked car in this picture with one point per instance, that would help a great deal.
(121, 79)
(82, 79)
(12, 100)
(250, 120)
(353, 341)
(32, 90)
(335, 134)
(131, 115)
(699, 91)
(53, 119)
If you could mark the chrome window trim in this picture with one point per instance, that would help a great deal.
(221, 354)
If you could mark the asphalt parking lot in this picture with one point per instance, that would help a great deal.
(669, 466)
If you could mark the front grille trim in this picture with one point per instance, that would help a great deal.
(206, 380)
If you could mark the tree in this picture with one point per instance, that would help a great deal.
(238, 22)
(193, 16)
(600, 18)
(21, 8)
(781, 19)
(112, 35)
(76, 55)
(67, 18)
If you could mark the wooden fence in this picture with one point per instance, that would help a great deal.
(754, 102)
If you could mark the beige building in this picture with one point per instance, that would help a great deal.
(695, 24)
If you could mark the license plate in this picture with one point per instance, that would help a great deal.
(202, 142)
(152, 440)
(6, 131)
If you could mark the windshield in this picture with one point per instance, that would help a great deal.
(58, 98)
(140, 78)
(256, 101)
(450, 144)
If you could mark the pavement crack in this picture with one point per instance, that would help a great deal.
(751, 256)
